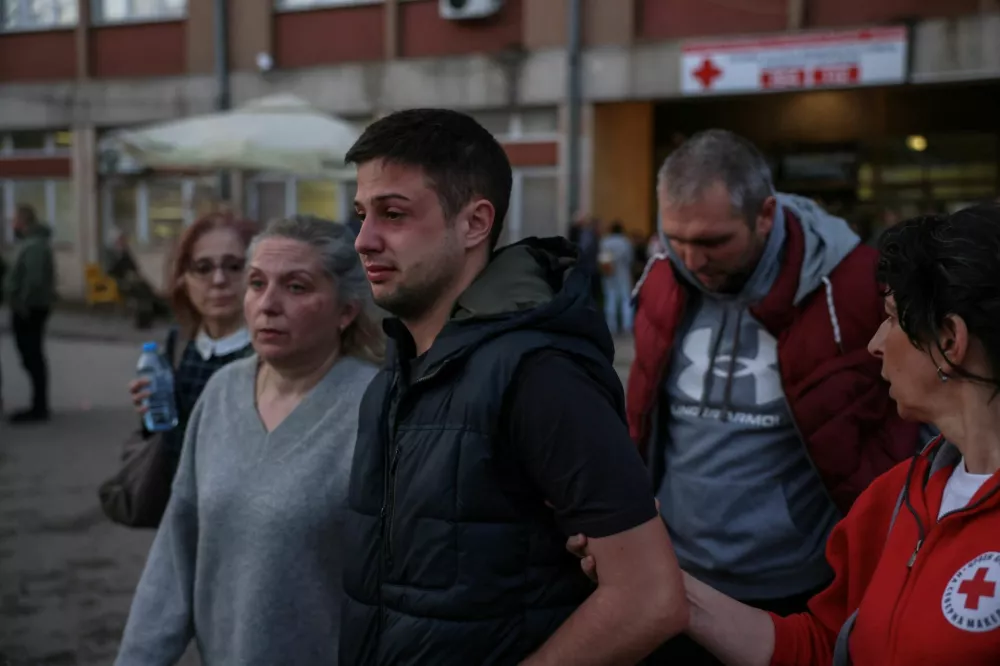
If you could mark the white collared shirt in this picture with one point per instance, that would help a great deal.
(207, 347)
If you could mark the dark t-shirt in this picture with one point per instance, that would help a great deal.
(563, 428)
(563, 431)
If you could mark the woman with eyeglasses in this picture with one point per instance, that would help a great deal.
(207, 298)
(248, 561)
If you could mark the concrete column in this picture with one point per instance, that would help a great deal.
(586, 171)
(587, 156)
(796, 14)
(390, 10)
(609, 22)
(84, 162)
(82, 40)
(200, 33)
(604, 23)
(251, 32)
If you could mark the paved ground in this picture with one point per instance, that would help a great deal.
(100, 324)
(66, 573)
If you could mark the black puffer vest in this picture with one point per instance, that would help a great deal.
(452, 557)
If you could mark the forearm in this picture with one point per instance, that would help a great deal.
(611, 628)
(734, 632)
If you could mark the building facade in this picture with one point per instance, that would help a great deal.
(71, 70)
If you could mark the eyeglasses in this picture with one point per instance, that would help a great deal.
(205, 268)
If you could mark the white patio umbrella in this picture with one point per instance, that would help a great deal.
(277, 133)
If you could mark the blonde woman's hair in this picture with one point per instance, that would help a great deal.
(334, 242)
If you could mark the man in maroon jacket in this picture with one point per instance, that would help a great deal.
(753, 396)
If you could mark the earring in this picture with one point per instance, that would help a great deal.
(941, 375)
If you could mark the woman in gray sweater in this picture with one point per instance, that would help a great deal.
(247, 560)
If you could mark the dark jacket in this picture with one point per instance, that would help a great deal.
(453, 557)
(839, 401)
(3, 274)
(31, 284)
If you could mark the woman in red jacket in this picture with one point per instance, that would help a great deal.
(917, 559)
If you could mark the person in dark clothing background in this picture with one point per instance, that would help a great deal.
(495, 429)
(586, 234)
(122, 266)
(3, 274)
(30, 289)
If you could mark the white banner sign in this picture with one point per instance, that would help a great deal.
(875, 56)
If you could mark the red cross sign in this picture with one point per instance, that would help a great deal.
(977, 588)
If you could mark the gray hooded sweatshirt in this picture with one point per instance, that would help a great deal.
(747, 512)
(248, 558)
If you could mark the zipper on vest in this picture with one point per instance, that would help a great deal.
(387, 416)
(389, 475)
(391, 504)
(392, 465)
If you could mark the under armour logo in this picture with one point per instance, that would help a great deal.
(766, 381)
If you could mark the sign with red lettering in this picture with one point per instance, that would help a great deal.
(873, 56)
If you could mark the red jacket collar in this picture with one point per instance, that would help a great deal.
(939, 455)
(776, 310)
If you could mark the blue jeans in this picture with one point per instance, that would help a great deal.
(618, 301)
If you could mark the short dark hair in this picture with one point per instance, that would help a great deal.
(460, 157)
(937, 265)
(617, 227)
(27, 213)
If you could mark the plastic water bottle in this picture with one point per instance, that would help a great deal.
(161, 409)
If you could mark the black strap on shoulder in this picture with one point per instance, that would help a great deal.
(172, 348)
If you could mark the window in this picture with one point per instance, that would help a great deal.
(317, 197)
(271, 196)
(37, 14)
(28, 141)
(35, 142)
(527, 124)
(201, 197)
(937, 173)
(497, 123)
(538, 122)
(154, 212)
(539, 205)
(62, 141)
(309, 4)
(121, 11)
(534, 205)
(32, 193)
(52, 201)
(121, 211)
(165, 211)
(271, 200)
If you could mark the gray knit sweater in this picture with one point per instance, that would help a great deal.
(247, 560)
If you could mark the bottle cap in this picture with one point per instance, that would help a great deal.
(149, 347)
